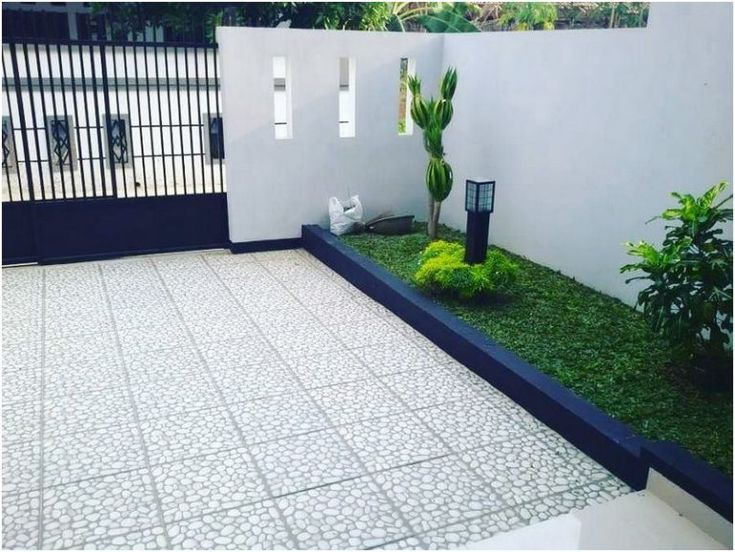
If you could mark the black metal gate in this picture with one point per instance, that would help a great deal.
(110, 148)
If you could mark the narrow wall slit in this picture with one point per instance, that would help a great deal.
(405, 122)
(346, 97)
(282, 98)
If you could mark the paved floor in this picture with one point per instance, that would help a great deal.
(209, 400)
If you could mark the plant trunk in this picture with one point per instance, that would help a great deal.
(433, 226)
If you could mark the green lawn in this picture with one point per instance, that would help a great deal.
(595, 345)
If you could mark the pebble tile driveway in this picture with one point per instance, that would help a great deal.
(210, 400)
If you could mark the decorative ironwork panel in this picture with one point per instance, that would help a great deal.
(216, 138)
(61, 152)
(8, 144)
(119, 141)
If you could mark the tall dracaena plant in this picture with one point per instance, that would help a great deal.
(433, 116)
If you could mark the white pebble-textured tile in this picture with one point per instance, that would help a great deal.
(190, 434)
(82, 376)
(238, 352)
(86, 454)
(283, 320)
(342, 313)
(437, 387)
(278, 417)
(328, 369)
(205, 484)
(409, 543)
(94, 508)
(470, 424)
(185, 393)
(365, 333)
(254, 381)
(348, 515)
(164, 365)
(21, 384)
(384, 443)
(216, 401)
(21, 520)
(307, 340)
(86, 411)
(359, 400)
(152, 338)
(398, 355)
(475, 529)
(21, 467)
(304, 461)
(66, 350)
(253, 527)
(21, 421)
(437, 492)
(522, 469)
(21, 355)
(151, 538)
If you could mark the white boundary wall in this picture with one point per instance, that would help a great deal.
(585, 131)
(275, 186)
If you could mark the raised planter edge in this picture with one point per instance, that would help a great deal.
(608, 441)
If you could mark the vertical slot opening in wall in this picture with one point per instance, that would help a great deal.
(282, 98)
(405, 122)
(346, 97)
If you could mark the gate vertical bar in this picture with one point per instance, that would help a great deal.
(22, 122)
(190, 120)
(108, 119)
(221, 129)
(66, 112)
(76, 118)
(199, 118)
(119, 122)
(209, 115)
(43, 112)
(56, 116)
(35, 124)
(160, 119)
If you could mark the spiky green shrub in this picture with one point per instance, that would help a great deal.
(433, 116)
(442, 271)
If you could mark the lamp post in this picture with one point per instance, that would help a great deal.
(479, 202)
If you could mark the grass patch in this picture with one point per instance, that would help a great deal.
(595, 345)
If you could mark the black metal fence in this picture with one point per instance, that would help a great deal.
(89, 119)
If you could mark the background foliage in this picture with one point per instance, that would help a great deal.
(197, 20)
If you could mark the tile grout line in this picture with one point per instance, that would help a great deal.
(344, 441)
(137, 422)
(225, 406)
(42, 413)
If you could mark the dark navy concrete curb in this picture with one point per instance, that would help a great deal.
(265, 245)
(609, 442)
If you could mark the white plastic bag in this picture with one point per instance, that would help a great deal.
(342, 217)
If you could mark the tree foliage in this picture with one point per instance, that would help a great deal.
(197, 20)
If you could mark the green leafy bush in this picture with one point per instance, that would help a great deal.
(442, 270)
(689, 299)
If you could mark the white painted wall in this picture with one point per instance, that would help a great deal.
(275, 186)
(587, 132)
